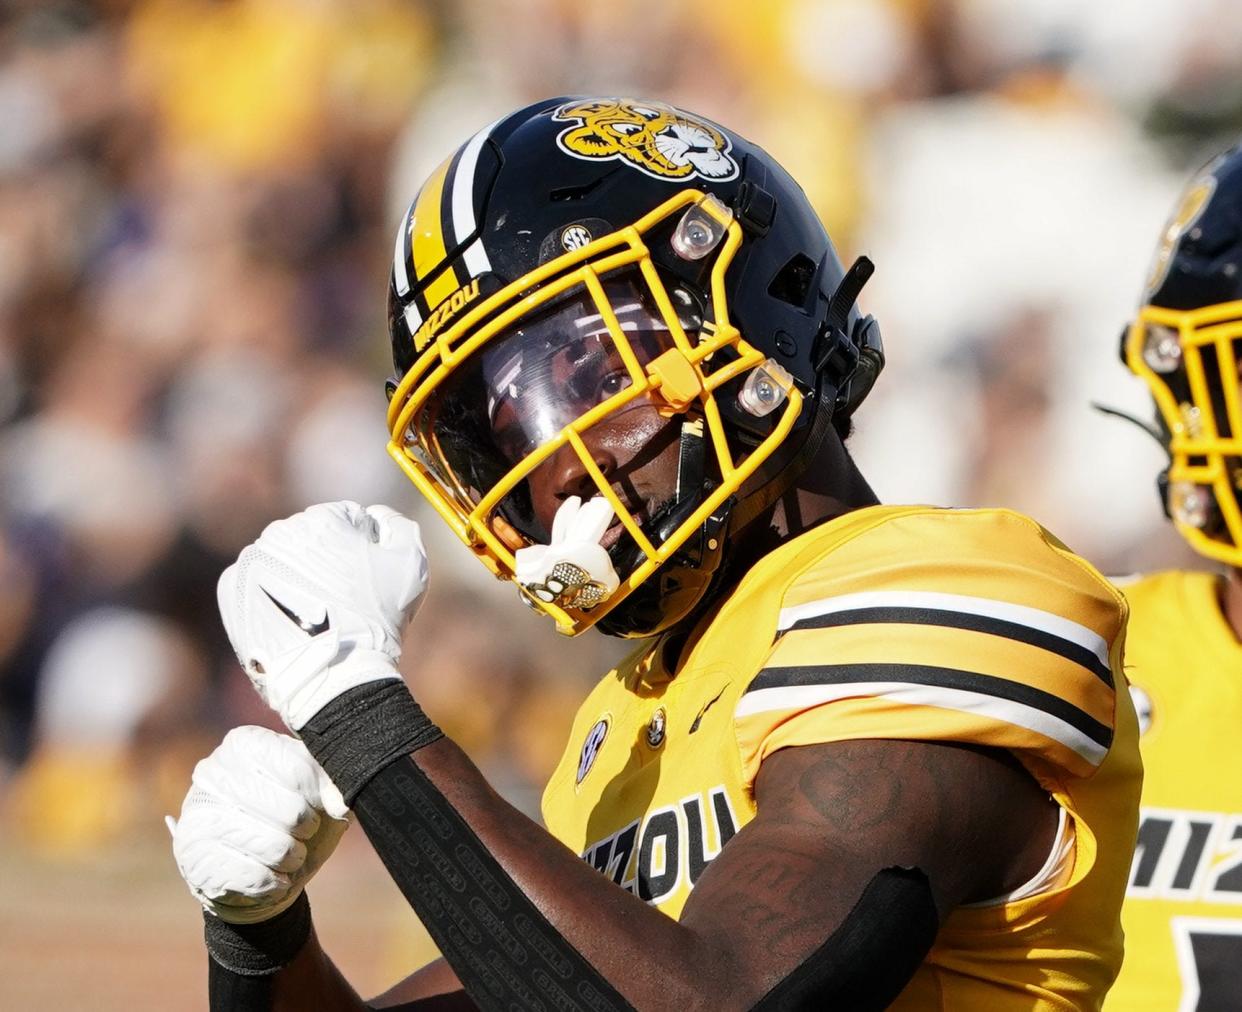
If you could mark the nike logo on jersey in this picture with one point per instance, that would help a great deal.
(706, 706)
(310, 628)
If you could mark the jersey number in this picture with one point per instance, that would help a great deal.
(1209, 956)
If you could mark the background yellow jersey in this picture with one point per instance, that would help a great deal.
(891, 622)
(1183, 913)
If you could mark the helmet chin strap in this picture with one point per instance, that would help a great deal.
(689, 486)
(1162, 479)
(684, 582)
(1147, 427)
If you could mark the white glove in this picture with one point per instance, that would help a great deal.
(259, 820)
(319, 603)
(574, 570)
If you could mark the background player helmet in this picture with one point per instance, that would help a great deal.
(1185, 344)
(582, 256)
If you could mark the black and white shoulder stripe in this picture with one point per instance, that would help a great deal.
(1059, 635)
(802, 686)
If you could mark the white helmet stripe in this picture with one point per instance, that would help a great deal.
(463, 201)
(399, 274)
(413, 319)
(476, 259)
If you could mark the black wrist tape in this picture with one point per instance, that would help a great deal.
(231, 992)
(504, 951)
(363, 730)
(256, 950)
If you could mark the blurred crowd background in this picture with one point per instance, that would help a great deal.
(197, 202)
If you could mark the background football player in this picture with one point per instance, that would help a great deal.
(862, 756)
(1183, 918)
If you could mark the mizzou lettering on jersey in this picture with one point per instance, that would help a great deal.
(1187, 855)
(674, 845)
(1183, 909)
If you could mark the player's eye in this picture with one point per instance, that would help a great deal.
(613, 384)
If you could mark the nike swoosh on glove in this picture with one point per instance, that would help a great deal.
(261, 817)
(319, 603)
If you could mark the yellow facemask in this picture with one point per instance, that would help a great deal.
(1189, 361)
(676, 371)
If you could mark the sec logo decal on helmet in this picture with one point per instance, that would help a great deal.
(610, 298)
(1185, 343)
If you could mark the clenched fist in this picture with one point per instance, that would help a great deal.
(260, 818)
(318, 604)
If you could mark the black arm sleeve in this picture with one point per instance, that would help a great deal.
(503, 949)
(233, 992)
(867, 961)
(505, 952)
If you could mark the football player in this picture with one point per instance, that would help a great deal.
(861, 756)
(1183, 915)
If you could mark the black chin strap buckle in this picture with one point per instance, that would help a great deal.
(848, 290)
(840, 346)
(837, 354)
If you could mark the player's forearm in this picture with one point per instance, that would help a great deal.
(434, 988)
(252, 968)
(312, 980)
(520, 918)
(650, 959)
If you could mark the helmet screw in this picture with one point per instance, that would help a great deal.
(785, 344)
(1162, 351)
(1189, 504)
(701, 228)
(765, 389)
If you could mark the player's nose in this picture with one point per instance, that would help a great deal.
(570, 475)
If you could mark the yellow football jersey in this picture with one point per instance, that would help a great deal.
(1183, 911)
(890, 622)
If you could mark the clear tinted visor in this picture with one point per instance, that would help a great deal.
(519, 392)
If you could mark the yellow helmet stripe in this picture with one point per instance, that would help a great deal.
(427, 237)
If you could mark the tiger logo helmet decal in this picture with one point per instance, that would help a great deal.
(656, 139)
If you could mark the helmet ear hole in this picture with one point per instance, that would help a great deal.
(792, 283)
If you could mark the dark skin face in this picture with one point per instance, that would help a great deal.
(830, 817)
(636, 451)
(635, 447)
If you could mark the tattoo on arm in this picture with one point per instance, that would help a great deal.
(831, 817)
